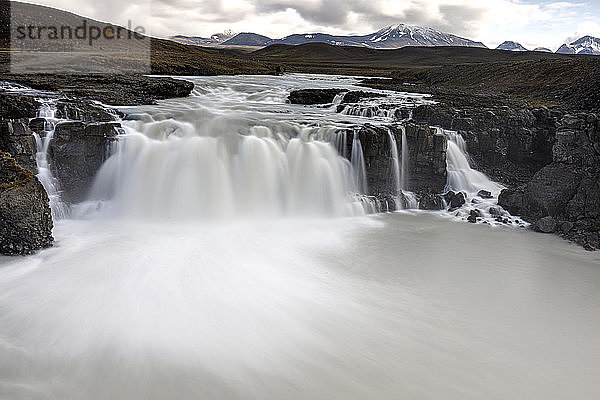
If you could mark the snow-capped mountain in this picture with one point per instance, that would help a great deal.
(543, 50)
(408, 35)
(247, 39)
(511, 46)
(585, 45)
(214, 40)
(392, 37)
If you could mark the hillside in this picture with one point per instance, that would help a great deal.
(151, 55)
(571, 83)
(324, 58)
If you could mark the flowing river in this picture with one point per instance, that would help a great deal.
(227, 251)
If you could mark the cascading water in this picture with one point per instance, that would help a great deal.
(461, 177)
(358, 164)
(400, 172)
(260, 174)
(58, 208)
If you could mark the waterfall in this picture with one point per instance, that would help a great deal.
(358, 164)
(461, 177)
(221, 176)
(49, 182)
(405, 157)
(337, 100)
(396, 174)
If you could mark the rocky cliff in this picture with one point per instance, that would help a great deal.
(549, 160)
(25, 217)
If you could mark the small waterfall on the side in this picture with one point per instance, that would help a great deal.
(461, 177)
(58, 207)
(337, 100)
(404, 199)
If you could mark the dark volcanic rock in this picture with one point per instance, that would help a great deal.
(314, 96)
(17, 106)
(485, 194)
(109, 89)
(568, 189)
(76, 154)
(25, 217)
(457, 200)
(546, 225)
(507, 143)
(427, 155)
(358, 95)
(86, 111)
(427, 167)
(17, 140)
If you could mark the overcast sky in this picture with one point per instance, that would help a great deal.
(533, 23)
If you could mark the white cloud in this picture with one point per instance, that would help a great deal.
(544, 23)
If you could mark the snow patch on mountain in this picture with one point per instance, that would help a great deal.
(586, 45)
(511, 46)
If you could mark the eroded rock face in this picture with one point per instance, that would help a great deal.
(314, 96)
(25, 217)
(426, 169)
(17, 140)
(427, 154)
(568, 189)
(76, 154)
(508, 144)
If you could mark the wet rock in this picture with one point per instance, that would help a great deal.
(76, 154)
(113, 89)
(458, 200)
(358, 95)
(17, 140)
(474, 215)
(546, 225)
(484, 194)
(314, 96)
(427, 155)
(432, 202)
(494, 211)
(17, 106)
(25, 217)
(38, 125)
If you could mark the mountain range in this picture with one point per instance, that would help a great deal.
(392, 37)
(585, 45)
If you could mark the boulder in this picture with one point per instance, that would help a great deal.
(546, 225)
(76, 154)
(484, 194)
(458, 200)
(358, 95)
(17, 140)
(25, 217)
(313, 96)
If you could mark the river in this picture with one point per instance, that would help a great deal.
(226, 252)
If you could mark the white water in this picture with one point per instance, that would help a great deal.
(461, 177)
(58, 208)
(153, 298)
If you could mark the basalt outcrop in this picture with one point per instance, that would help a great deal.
(549, 160)
(426, 170)
(17, 140)
(25, 216)
(77, 152)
